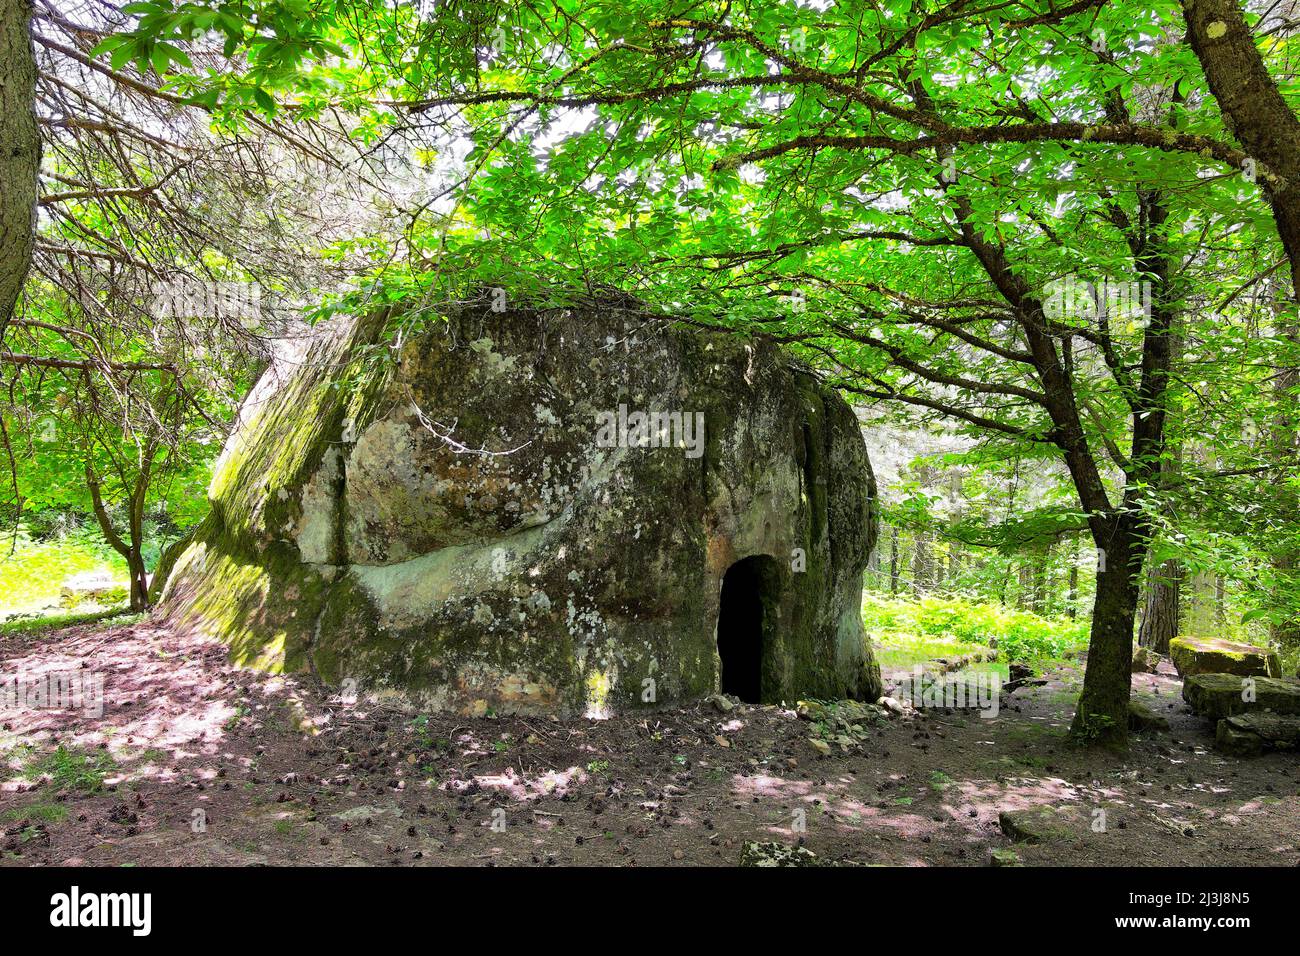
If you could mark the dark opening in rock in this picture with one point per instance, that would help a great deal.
(749, 600)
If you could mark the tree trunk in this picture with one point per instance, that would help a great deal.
(1161, 619)
(139, 586)
(920, 564)
(1198, 615)
(20, 157)
(139, 578)
(1072, 597)
(1041, 563)
(133, 548)
(1160, 622)
(893, 560)
(1285, 560)
(1025, 584)
(1253, 109)
(1102, 713)
(1220, 603)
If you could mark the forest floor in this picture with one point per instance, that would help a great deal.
(197, 763)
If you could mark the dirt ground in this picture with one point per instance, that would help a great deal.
(204, 764)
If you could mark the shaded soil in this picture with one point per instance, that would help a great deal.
(274, 770)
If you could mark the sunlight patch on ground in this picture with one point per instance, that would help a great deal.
(160, 703)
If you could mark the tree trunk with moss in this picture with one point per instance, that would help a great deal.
(20, 153)
(1254, 109)
(1286, 562)
(1101, 716)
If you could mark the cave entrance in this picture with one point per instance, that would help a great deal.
(746, 616)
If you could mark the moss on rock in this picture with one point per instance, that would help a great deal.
(1214, 655)
(1222, 695)
(1249, 735)
(449, 527)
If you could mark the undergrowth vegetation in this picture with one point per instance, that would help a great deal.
(906, 631)
(32, 569)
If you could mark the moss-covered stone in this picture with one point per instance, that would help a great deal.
(1249, 735)
(1142, 719)
(447, 526)
(1214, 655)
(1222, 695)
(1036, 825)
(1145, 660)
(166, 562)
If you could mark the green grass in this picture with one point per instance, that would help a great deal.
(905, 632)
(898, 650)
(13, 760)
(69, 769)
(45, 812)
(31, 572)
(52, 622)
(939, 781)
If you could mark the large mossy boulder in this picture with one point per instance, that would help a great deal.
(1214, 655)
(1222, 695)
(480, 520)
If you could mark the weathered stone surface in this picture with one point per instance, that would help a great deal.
(166, 562)
(1145, 660)
(447, 526)
(1249, 735)
(1036, 825)
(1222, 695)
(770, 853)
(1214, 655)
(1142, 718)
(1237, 743)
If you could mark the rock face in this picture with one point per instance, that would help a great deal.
(482, 522)
(1249, 735)
(1214, 655)
(1223, 695)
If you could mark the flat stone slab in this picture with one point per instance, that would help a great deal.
(1214, 655)
(1037, 825)
(1249, 735)
(1223, 695)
